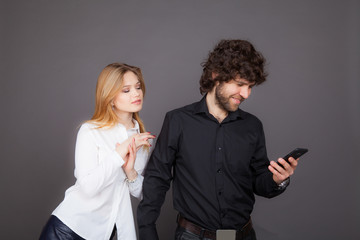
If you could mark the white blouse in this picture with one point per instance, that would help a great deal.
(100, 197)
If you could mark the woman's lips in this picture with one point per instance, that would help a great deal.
(136, 102)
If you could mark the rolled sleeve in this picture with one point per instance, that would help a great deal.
(135, 188)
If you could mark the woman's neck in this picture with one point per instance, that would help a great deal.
(126, 119)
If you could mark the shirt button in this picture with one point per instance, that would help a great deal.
(219, 170)
(219, 193)
(219, 148)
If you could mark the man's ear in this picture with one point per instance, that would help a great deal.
(214, 75)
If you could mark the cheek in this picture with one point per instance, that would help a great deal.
(232, 91)
(120, 99)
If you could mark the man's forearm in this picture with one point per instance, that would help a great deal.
(155, 186)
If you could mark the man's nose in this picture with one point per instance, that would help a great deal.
(245, 91)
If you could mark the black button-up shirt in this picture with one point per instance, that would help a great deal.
(215, 167)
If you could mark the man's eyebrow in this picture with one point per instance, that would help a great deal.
(240, 81)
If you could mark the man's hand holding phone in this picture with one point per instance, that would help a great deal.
(285, 167)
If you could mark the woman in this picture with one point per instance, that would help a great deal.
(111, 153)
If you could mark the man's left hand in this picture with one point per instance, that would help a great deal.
(281, 173)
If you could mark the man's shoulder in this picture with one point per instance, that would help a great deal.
(187, 109)
(249, 117)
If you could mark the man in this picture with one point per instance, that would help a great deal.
(214, 153)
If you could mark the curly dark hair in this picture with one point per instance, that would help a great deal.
(230, 59)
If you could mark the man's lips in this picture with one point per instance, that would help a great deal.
(237, 100)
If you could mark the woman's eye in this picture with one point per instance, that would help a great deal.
(125, 90)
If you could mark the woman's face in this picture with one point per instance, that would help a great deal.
(130, 97)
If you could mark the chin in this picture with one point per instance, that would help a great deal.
(232, 108)
(138, 109)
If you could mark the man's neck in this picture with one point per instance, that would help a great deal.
(214, 108)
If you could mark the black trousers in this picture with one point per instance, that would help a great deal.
(183, 234)
(55, 229)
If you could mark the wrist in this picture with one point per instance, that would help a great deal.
(284, 184)
(122, 149)
(131, 175)
(122, 152)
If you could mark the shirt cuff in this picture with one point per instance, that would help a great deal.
(135, 187)
(283, 184)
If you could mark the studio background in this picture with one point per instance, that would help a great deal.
(53, 51)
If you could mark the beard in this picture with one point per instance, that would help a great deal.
(223, 100)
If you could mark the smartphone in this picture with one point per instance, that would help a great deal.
(296, 153)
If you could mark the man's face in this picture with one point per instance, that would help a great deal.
(229, 95)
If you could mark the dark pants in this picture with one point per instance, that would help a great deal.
(55, 229)
(182, 234)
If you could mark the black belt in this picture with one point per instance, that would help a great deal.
(205, 233)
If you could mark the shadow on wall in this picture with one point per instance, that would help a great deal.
(262, 233)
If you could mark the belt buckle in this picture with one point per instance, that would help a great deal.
(225, 234)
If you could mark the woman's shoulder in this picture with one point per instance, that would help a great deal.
(88, 128)
(94, 128)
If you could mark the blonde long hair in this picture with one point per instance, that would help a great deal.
(108, 86)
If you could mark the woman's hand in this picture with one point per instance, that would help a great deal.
(140, 139)
(128, 166)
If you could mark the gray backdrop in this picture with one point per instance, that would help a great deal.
(53, 51)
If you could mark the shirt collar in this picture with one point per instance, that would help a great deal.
(135, 128)
(201, 107)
